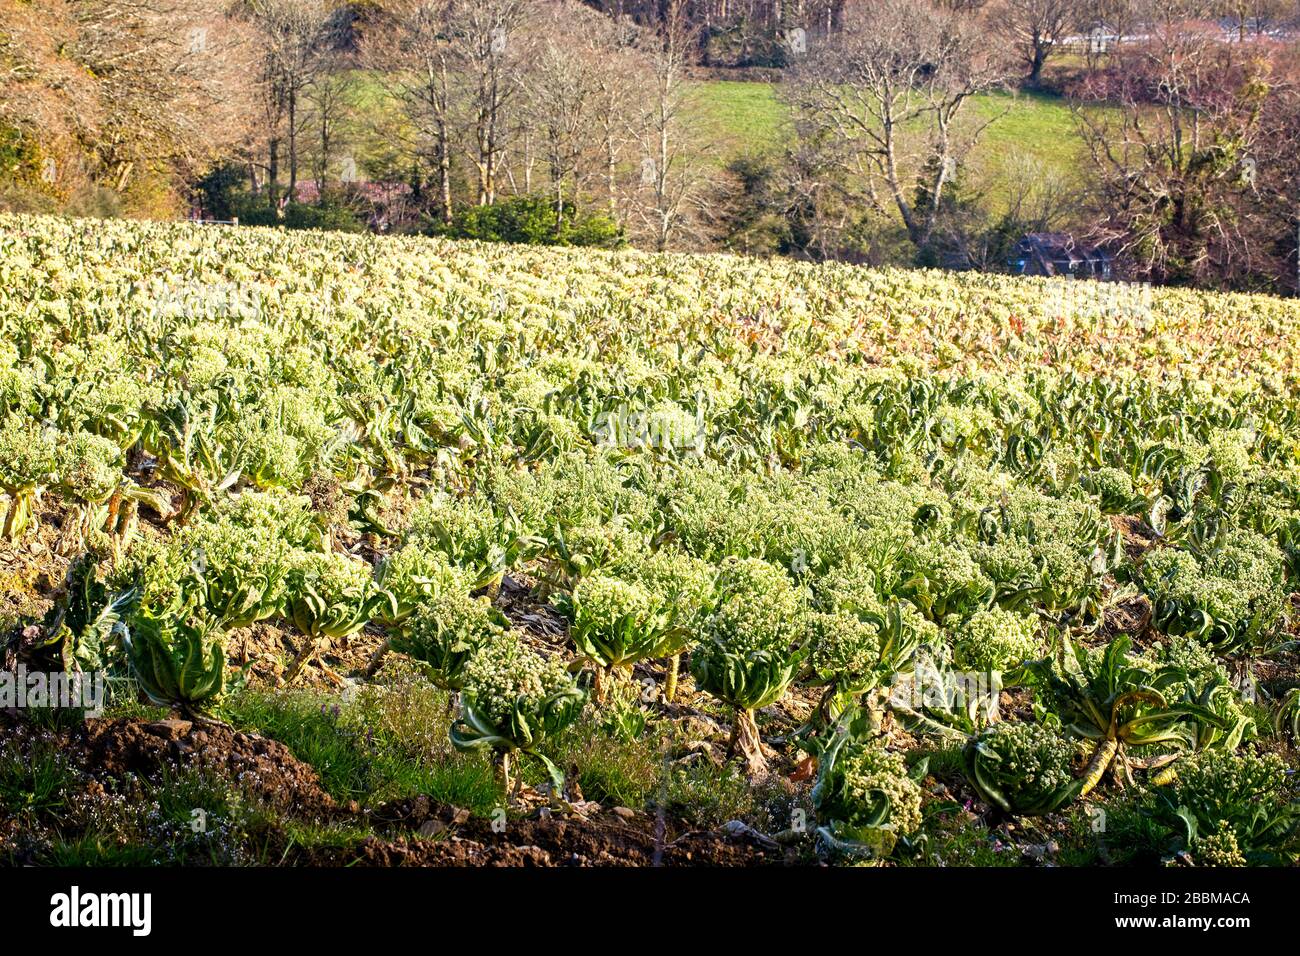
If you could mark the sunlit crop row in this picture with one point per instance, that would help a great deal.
(761, 479)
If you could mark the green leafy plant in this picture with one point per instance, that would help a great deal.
(89, 620)
(844, 657)
(574, 553)
(330, 597)
(1118, 702)
(412, 576)
(513, 699)
(623, 717)
(1231, 597)
(1022, 768)
(239, 565)
(179, 660)
(181, 432)
(1240, 800)
(1205, 682)
(679, 581)
(617, 623)
(473, 536)
(750, 653)
(943, 579)
(28, 460)
(445, 631)
(865, 796)
(997, 640)
(1287, 716)
(852, 654)
(934, 699)
(89, 472)
(1114, 490)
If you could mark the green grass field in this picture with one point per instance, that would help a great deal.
(747, 118)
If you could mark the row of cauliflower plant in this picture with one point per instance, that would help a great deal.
(895, 495)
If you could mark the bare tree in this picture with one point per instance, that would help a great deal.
(671, 172)
(1176, 152)
(328, 101)
(1035, 27)
(617, 106)
(888, 91)
(49, 103)
(579, 98)
(489, 44)
(165, 69)
(412, 53)
(1258, 15)
(293, 37)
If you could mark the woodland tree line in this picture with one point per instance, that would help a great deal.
(561, 121)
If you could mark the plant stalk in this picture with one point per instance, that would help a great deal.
(1101, 759)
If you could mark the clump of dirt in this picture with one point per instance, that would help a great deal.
(1131, 616)
(264, 769)
(520, 600)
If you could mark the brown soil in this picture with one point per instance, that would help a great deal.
(31, 569)
(264, 769)
(518, 599)
(1131, 616)
(271, 646)
(1137, 534)
(443, 836)
(415, 831)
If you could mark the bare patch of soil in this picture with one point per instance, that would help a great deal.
(31, 569)
(1138, 536)
(444, 836)
(410, 832)
(270, 647)
(1131, 616)
(262, 768)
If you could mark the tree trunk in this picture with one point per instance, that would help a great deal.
(611, 172)
(273, 171)
(444, 173)
(324, 162)
(661, 184)
(293, 147)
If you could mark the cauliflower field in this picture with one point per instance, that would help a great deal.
(457, 543)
